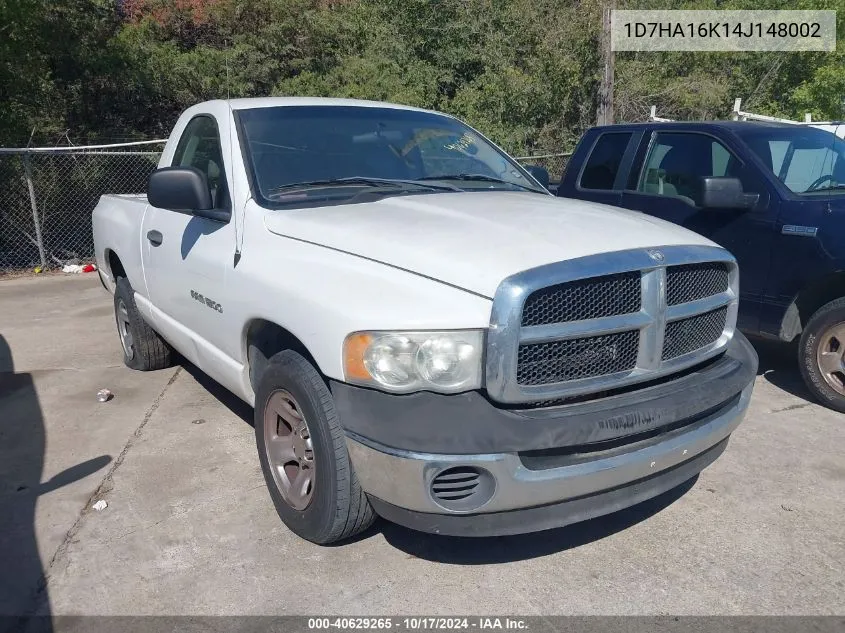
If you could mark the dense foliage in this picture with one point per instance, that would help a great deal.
(526, 72)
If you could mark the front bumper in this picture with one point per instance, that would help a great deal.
(545, 483)
(553, 515)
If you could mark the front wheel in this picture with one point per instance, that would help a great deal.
(302, 450)
(821, 354)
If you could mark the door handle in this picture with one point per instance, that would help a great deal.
(155, 237)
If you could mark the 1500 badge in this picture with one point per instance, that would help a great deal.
(206, 301)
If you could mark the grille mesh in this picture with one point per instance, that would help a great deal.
(583, 299)
(691, 282)
(690, 334)
(560, 361)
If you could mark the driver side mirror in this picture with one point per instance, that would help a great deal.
(540, 174)
(184, 189)
(726, 193)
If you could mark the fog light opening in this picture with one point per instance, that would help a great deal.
(462, 488)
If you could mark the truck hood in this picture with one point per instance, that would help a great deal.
(475, 240)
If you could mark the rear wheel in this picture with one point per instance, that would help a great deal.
(143, 348)
(302, 450)
(822, 354)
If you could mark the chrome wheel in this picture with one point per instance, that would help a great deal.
(289, 450)
(831, 357)
(124, 329)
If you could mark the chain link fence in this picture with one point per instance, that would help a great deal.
(555, 164)
(47, 196)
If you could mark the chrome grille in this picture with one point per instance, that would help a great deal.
(559, 361)
(597, 323)
(583, 299)
(687, 335)
(692, 282)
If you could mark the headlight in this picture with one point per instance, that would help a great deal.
(401, 362)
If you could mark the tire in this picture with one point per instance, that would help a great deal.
(143, 349)
(332, 506)
(820, 340)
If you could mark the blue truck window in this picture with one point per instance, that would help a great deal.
(677, 162)
(721, 159)
(806, 160)
(603, 163)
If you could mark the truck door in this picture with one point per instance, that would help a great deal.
(187, 258)
(666, 183)
(808, 234)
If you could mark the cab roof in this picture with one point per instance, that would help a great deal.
(700, 125)
(275, 102)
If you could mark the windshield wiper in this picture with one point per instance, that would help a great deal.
(479, 178)
(360, 180)
(828, 188)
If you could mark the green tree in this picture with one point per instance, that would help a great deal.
(525, 72)
(27, 94)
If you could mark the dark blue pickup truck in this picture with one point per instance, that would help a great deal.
(772, 194)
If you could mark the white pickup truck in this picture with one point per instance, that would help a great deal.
(425, 333)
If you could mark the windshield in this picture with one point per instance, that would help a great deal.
(807, 160)
(333, 153)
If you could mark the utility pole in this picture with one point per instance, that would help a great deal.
(604, 113)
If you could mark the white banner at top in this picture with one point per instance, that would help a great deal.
(715, 31)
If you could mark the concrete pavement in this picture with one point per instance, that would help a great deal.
(190, 528)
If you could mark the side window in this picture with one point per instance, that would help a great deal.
(808, 165)
(603, 162)
(776, 154)
(720, 159)
(200, 147)
(677, 162)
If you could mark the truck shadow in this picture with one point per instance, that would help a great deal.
(223, 395)
(23, 440)
(505, 549)
(196, 228)
(779, 366)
